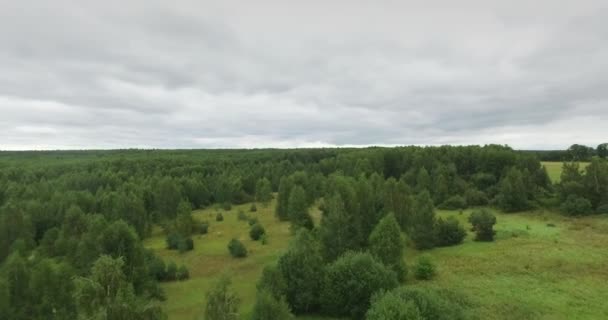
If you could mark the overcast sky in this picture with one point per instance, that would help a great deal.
(208, 74)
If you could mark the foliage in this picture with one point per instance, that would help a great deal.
(256, 231)
(222, 304)
(483, 222)
(219, 217)
(449, 232)
(263, 191)
(424, 268)
(423, 221)
(338, 229)
(386, 244)
(272, 281)
(182, 273)
(512, 195)
(302, 269)
(297, 207)
(454, 202)
(242, 216)
(269, 307)
(351, 281)
(575, 206)
(416, 303)
(237, 248)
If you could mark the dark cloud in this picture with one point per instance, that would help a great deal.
(80, 74)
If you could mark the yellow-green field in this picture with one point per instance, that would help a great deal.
(542, 265)
(554, 169)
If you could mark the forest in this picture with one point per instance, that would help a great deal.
(93, 234)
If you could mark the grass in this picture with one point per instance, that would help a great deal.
(554, 169)
(541, 266)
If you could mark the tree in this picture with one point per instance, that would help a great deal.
(578, 152)
(423, 180)
(263, 191)
(222, 304)
(256, 231)
(298, 209)
(512, 195)
(302, 269)
(237, 248)
(424, 269)
(427, 303)
(338, 229)
(575, 206)
(423, 221)
(483, 222)
(397, 199)
(269, 307)
(449, 232)
(106, 294)
(602, 150)
(351, 281)
(386, 244)
(167, 197)
(272, 281)
(282, 210)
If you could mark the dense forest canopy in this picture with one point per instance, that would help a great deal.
(71, 222)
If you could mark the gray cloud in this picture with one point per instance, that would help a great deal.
(80, 74)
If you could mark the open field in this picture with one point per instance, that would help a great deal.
(554, 169)
(533, 271)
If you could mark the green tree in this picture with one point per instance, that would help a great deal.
(449, 232)
(222, 303)
(298, 209)
(388, 306)
(602, 150)
(256, 231)
(302, 269)
(427, 303)
(423, 221)
(167, 197)
(424, 269)
(338, 229)
(269, 307)
(483, 222)
(263, 191)
(423, 180)
(386, 244)
(272, 281)
(513, 195)
(282, 210)
(350, 283)
(237, 248)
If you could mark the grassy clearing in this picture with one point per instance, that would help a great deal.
(542, 265)
(554, 169)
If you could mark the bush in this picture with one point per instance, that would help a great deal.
(269, 307)
(237, 248)
(483, 222)
(171, 271)
(156, 267)
(185, 244)
(242, 216)
(476, 197)
(182, 273)
(219, 217)
(424, 269)
(449, 232)
(454, 203)
(417, 303)
(264, 239)
(227, 206)
(253, 221)
(575, 206)
(222, 303)
(350, 283)
(256, 232)
(202, 227)
(253, 208)
(603, 209)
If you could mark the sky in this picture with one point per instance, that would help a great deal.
(284, 74)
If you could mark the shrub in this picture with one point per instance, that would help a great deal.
(449, 232)
(603, 209)
(156, 267)
(173, 240)
(350, 283)
(202, 227)
(237, 248)
(242, 216)
(575, 205)
(253, 221)
(253, 208)
(483, 222)
(219, 217)
(171, 271)
(476, 197)
(256, 231)
(454, 203)
(424, 269)
(185, 244)
(264, 239)
(182, 273)
(417, 303)
(227, 206)
(269, 307)
(222, 304)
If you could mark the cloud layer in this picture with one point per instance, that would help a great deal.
(200, 74)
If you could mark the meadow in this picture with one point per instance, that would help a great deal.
(541, 266)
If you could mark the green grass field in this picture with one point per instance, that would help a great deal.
(542, 265)
(554, 169)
